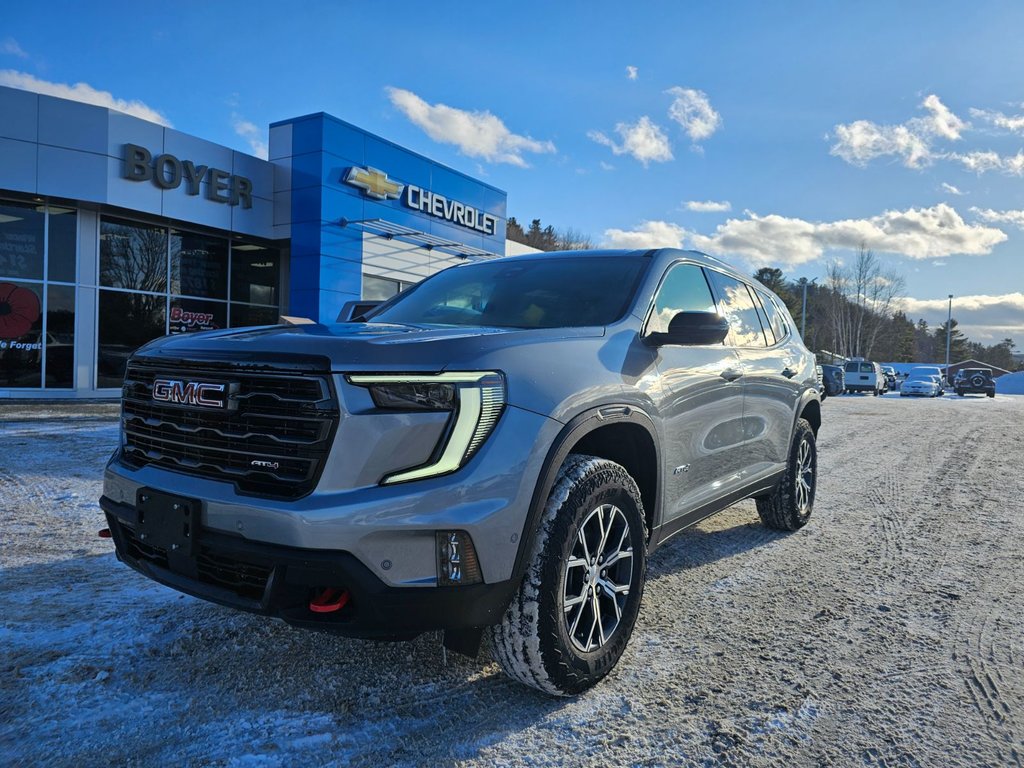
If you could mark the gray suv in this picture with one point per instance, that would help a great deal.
(497, 449)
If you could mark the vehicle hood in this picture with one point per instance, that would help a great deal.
(347, 347)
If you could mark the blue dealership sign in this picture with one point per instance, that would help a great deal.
(334, 177)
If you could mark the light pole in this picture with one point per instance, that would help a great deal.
(949, 333)
(803, 310)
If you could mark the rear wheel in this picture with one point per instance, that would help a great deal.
(789, 506)
(574, 611)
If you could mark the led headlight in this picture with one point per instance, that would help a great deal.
(477, 397)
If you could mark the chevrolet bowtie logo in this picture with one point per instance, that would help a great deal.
(374, 183)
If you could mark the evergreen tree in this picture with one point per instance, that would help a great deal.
(513, 230)
(957, 343)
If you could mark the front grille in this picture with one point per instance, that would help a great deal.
(242, 578)
(280, 418)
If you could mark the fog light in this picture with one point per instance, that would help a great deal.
(456, 559)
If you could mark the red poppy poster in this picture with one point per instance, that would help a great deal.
(19, 310)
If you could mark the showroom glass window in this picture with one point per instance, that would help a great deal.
(157, 280)
(38, 247)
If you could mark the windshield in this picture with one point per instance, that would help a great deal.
(521, 293)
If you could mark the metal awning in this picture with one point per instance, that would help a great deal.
(392, 231)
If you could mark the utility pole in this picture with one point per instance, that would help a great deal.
(803, 311)
(949, 333)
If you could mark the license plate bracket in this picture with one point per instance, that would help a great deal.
(168, 522)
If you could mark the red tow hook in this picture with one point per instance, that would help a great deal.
(329, 600)
(105, 533)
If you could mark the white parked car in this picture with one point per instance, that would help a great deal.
(930, 370)
(920, 385)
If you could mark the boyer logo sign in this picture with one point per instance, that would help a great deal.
(168, 172)
(183, 321)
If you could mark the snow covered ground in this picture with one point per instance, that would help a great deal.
(890, 631)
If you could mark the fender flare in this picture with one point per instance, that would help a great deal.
(578, 427)
(809, 395)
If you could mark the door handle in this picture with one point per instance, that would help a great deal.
(731, 374)
(789, 373)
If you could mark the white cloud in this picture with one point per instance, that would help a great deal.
(1014, 218)
(983, 162)
(10, 46)
(694, 113)
(81, 92)
(650, 234)
(941, 122)
(476, 134)
(862, 140)
(917, 233)
(252, 134)
(984, 318)
(708, 206)
(1011, 123)
(632, 72)
(606, 166)
(951, 189)
(644, 140)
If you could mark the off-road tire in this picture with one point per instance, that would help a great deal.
(531, 643)
(779, 509)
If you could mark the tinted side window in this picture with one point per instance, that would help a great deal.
(738, 308)
(776, 319)
(684, 290)
(769, 334)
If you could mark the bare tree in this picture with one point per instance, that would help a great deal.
(862, 299)
(574, 240)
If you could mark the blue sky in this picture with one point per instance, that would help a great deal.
(768, 134)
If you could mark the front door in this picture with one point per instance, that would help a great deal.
(701, 402)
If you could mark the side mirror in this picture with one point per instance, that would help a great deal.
(692, 328)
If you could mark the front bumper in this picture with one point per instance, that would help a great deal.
(489, 499)
(917, 392)
(280, 581)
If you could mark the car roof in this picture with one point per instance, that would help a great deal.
(698, 256)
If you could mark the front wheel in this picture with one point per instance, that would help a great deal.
(574, 611)
(789, 506)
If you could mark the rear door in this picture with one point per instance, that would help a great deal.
(772, 373)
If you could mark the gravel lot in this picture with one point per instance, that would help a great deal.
(890, 631)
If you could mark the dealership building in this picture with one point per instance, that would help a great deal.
(115, 230)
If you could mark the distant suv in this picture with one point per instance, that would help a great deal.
(498, 448)
(976, 381)
(890, 378)
(834, 379)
